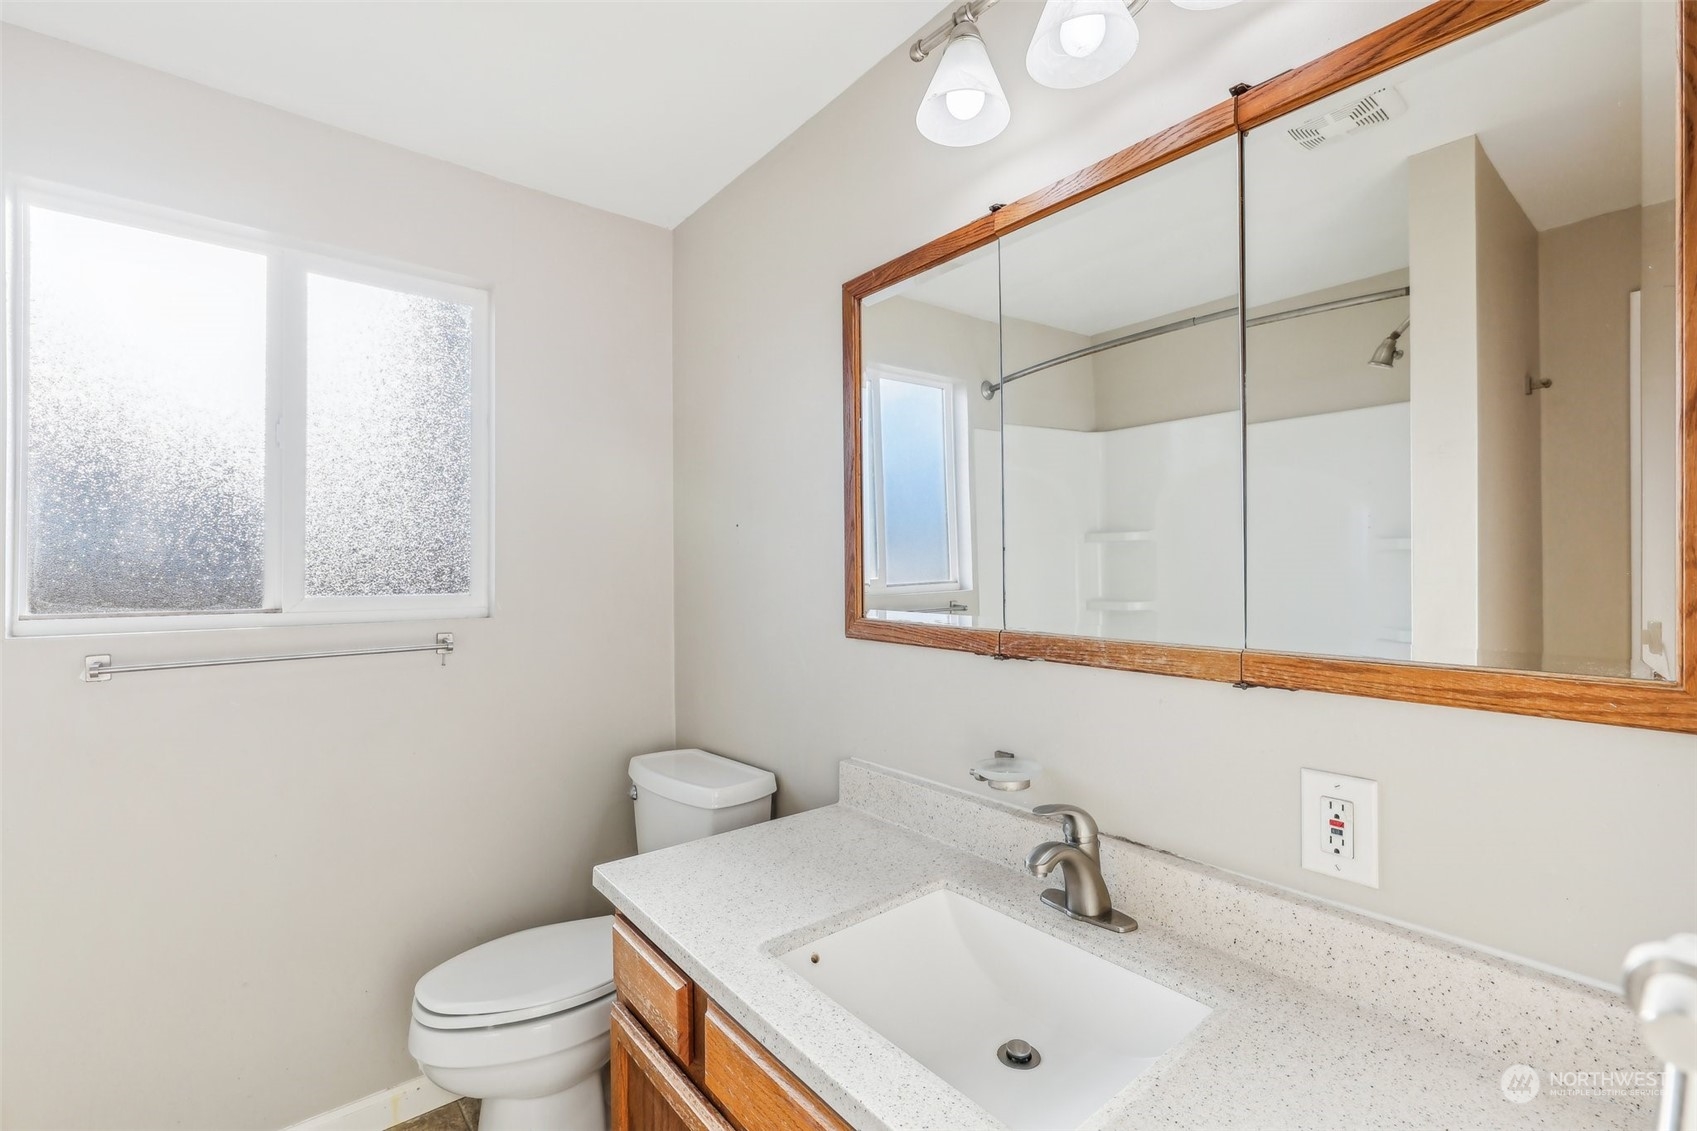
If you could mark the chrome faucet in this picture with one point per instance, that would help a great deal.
(1078, 828)
(1077, 854)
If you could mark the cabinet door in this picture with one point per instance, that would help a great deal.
(650, 1092)
(754, 1088)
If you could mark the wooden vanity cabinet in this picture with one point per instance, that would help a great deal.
(679, 1063)
(650, 1091)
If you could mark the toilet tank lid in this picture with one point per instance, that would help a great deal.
(695, 777)
(563, 964)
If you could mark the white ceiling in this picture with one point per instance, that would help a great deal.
(646, 109)
(1556, 98)
(1169, 245)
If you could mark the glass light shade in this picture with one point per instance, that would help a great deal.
(1078, 42)
(964, 105)
(1204, 5)
(1082, 35)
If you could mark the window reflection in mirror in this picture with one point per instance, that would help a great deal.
(1122, 480)
(1462, 441)
(931, 447)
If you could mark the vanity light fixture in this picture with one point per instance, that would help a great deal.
(1077, 42)
(964, 105)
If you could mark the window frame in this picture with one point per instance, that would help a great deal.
(957, 446)
(289, 263)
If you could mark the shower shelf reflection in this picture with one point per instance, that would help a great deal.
(1114, 605)
(1120, 536)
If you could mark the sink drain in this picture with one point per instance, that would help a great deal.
(1019, 1054)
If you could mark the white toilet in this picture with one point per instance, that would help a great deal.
(521, 1022)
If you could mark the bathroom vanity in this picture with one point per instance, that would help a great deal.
(680, 1062)
(865, 964)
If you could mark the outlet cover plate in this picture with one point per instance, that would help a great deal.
(1363, 796)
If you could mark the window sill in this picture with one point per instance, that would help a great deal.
(47, 627)
(916, 590)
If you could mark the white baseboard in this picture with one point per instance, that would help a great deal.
(380, 1110)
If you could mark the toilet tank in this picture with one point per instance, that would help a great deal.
(688, 794)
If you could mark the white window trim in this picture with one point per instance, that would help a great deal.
(956, 453)
(289, 263)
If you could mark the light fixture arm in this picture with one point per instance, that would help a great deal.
(969, 13)
(937, 36)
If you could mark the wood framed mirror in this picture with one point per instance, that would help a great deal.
(1372, 380)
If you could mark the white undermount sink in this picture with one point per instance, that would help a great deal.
(948, 981)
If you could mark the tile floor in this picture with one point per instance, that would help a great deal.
(461, 1115)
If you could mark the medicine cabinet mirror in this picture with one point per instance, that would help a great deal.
(1121, 471)
(1435, 451)
(1478, 464)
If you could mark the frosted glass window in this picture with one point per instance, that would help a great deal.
(218, 430)
(146, 421)
(913, 423)
(389, 442)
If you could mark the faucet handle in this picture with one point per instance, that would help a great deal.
(1077, 827)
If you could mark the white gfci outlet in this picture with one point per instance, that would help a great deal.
(1340, 826)
(1339, 816)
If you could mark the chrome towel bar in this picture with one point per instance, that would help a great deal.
(99, 669)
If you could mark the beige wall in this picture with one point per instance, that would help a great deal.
(221, 885)
(1562, 871)
(1063, 396)
(1318, 363)
(913, 334)
(1587, 271)
(910, 334)
(1186, 373)
(1511, 549)
(1298, 367)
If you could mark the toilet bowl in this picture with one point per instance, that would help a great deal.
(522, 1022)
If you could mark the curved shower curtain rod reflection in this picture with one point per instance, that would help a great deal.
(990, 388)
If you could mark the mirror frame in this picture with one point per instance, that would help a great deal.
(1624, 702)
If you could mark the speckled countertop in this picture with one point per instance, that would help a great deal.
(1321, 1018)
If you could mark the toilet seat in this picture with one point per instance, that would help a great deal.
(432, 1020)
(584, 1026)
(535, 973)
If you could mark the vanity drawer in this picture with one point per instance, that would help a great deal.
(649, 1092)
(653, 989)
(751, 1087)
